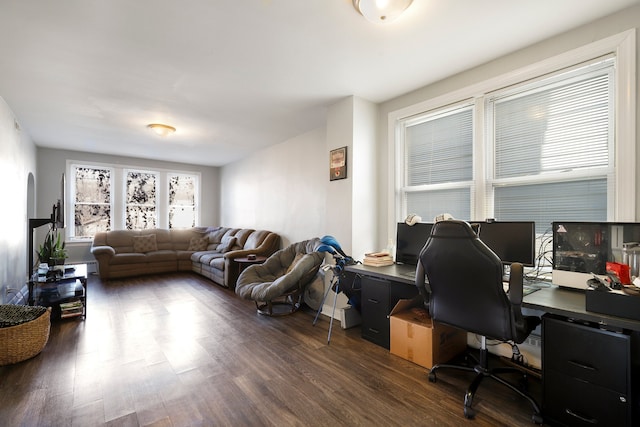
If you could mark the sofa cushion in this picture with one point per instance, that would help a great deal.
(215, 237)
(145, 243)
(205, 257)
(218, 263)
(228, 242)
(130, 258)
(198, 243)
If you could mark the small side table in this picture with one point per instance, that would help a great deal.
(245, 262)
(66, 294)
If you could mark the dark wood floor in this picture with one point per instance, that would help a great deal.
(178, 350)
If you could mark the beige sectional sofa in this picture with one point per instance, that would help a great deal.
(209, 251)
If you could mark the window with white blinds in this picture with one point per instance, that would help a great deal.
(547, 152)
(438, 163)
(551, 143)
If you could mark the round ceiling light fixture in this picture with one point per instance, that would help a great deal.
(381, 11)
(160, 129)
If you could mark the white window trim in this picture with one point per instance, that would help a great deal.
(118, 186)
(70, 192)
(622, 45)
(158, 176)
(196, 193)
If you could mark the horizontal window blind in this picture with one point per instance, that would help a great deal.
(548, 202)
(440, 149)
(552, 148)
(562, 128)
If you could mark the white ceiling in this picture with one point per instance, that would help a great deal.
(234, 76)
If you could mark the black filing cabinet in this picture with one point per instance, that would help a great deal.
(586, 374)
(379, 296)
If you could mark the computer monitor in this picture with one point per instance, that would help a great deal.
(512, 241)
(410, 240)
(583, 248)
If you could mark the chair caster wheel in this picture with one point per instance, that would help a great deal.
(469, 413)
(432, 377)
(537, 419)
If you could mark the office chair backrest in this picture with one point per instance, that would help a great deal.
(465, 278)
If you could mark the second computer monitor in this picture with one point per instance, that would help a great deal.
(512, 241)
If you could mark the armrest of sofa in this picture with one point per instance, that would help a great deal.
(103, 251)
(269, 245)
(103, 254)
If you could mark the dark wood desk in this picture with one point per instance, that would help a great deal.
(608, 345)
(571, 303)
(568, 303)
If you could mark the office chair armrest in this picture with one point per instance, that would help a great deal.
(515, 283)
(423, 288)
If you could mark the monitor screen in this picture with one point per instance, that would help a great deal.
(512, 241)
(410, 240)
(583, 248)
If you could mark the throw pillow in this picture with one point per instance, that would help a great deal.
(144, 244)
(227, 244)
(198, 244)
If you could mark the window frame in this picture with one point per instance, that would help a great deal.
(118, 194)
(196, 191)
(126, 172)
(622, 46)
(71, 198)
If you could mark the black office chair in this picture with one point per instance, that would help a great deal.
(465, 290)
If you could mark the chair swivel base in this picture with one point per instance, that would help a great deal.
(483, 372)
(283, 306)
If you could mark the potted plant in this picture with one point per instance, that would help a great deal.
(52, 251)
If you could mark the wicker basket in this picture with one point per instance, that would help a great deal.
(22, 342)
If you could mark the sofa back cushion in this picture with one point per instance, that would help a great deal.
(163, 238)
(190, 239)
(242, 235)
(121, 240)
(215, 237)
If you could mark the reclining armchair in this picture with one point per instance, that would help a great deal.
(277, 286)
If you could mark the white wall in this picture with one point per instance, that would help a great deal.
(286, 188)
(17, 161)
(280, 188)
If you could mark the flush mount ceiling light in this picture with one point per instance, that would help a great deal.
(381, 11)
(160, 129)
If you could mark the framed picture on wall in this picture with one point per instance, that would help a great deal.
(338, 164)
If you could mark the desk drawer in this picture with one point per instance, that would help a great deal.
(593, 355)
(375, 309)
(576, 403)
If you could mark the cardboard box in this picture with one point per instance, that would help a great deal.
(415, 337)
